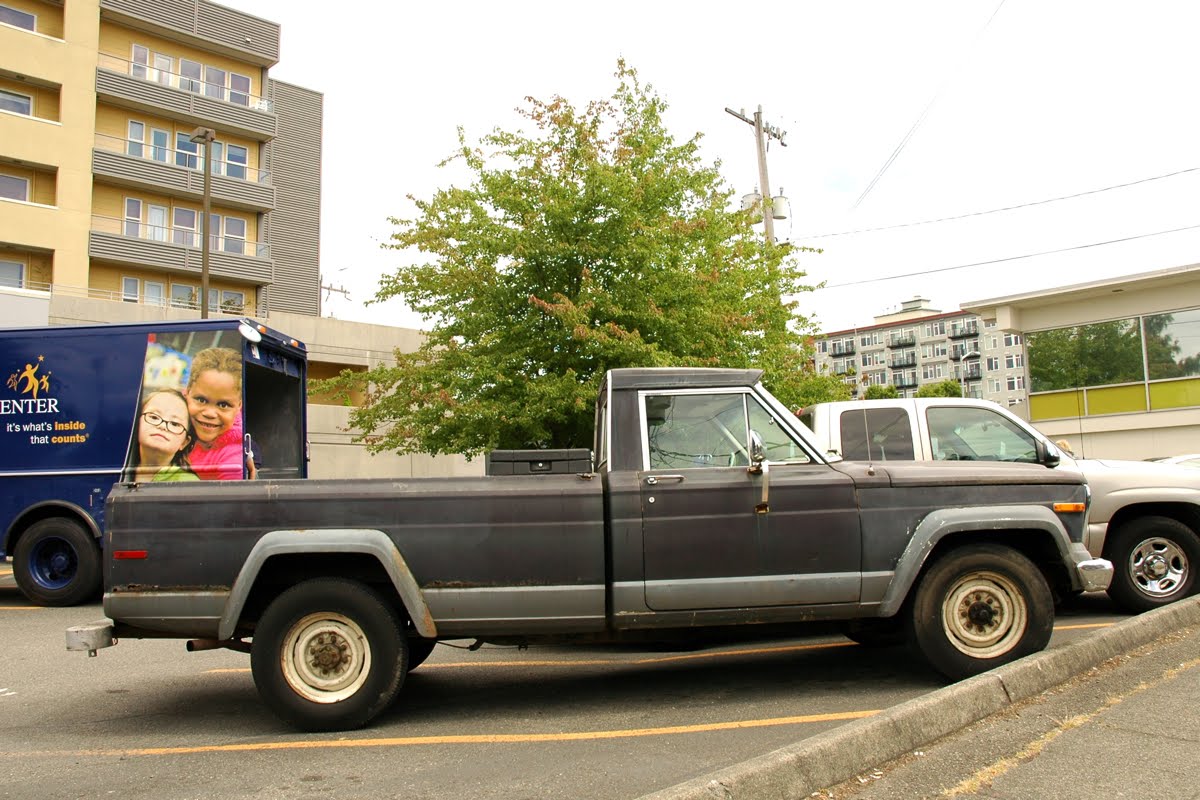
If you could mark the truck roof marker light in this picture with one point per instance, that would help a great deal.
(129, 555)
(249, 333)
(1070, 508)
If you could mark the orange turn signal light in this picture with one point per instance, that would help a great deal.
(1070, 508)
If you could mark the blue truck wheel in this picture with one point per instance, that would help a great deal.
(57, 563)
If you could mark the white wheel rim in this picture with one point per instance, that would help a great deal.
(984, 615)
(325, 657)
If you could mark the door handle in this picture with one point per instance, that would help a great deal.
(654, 480)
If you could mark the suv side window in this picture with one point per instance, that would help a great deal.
(712, 430)
(877, 434)
(977, 434)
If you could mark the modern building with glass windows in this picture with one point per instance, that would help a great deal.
(917, 345)
(101, 179)
(1114, 365)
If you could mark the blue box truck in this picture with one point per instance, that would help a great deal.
(87, 406)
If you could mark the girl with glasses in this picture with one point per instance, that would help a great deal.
(164, 439)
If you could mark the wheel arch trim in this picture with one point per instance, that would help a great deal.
(943, 522)
(311, 542)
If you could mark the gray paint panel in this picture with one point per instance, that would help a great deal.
(756, 591)
(179, 181)
(182, 613)
(126, 90)
(517, 609)
(177, 258)
(242, 35)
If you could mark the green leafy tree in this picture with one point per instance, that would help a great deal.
(597, 241)
(946, 388)
(884, 392)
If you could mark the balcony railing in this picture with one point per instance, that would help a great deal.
(195, 85)
(842, 350)
(907, 340)
(181, 158)
(909, 360)
(117, 296)
(962, 331)
(187, 237)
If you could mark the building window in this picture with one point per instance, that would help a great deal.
(18, 18)
(214, 82)
(133, 216)
(16, 103)
(129, 289)
(185, 227)
(239, 89)
(190, 75)
(1012, 340)
(137, 138)
(1016, 382)
(235, 235)
(140, 62)
(994, 385)
(1014, 360)
(12, 273)
(236, 159)
(822, 346)
(233, 302)
(13, 187)
(187, 152)
(936, 328)
(184, 296)
(993, 363)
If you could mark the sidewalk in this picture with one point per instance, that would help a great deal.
(1114, 715)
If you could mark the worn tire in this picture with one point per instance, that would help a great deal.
(57, 563)
(1154, 563)
(978, 607)
(329, 654)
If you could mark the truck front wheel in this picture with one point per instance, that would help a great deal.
(57, 563)
(329, 654)
(1155, 561)
(979, 607)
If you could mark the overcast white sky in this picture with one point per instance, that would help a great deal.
(1018, 101)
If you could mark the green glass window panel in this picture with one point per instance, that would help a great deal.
(1099, 354)
(1116, 399)
(1055, 405)
(1175, 394)
(1173, 344)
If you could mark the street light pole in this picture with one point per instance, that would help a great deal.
(205, 135)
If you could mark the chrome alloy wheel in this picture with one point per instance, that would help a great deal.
(1158, 566)
(984, 615)
(325, 658)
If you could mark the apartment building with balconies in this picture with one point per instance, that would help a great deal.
(917, 345)
(102, 186)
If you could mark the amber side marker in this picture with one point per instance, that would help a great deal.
(1070, 508)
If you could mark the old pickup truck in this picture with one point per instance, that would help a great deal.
(708, 513)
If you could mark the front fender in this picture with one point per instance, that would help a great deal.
(334, 540)
(943, 522)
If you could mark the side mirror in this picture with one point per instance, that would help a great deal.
(1047, 454)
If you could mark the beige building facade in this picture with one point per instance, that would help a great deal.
(102, 188)
(1113, 366)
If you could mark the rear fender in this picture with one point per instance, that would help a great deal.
(318, 542)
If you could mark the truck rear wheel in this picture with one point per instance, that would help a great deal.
(1155, 561)
(979, 607)
(57, 563)
(329, 654)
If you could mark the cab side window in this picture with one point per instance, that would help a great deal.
(977, 434)
(877, 434)
(696, 430)
(778, 444)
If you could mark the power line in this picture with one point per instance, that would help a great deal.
(1003, 260)
(925, 112)
(998, 210)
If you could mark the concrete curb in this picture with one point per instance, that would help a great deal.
(851, 749)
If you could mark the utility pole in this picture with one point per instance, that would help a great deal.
(762, 132)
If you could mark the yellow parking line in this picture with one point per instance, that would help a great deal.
(1084, 625)
(22, 608)
(485, 738)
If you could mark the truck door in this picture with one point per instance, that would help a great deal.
(704, 544)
